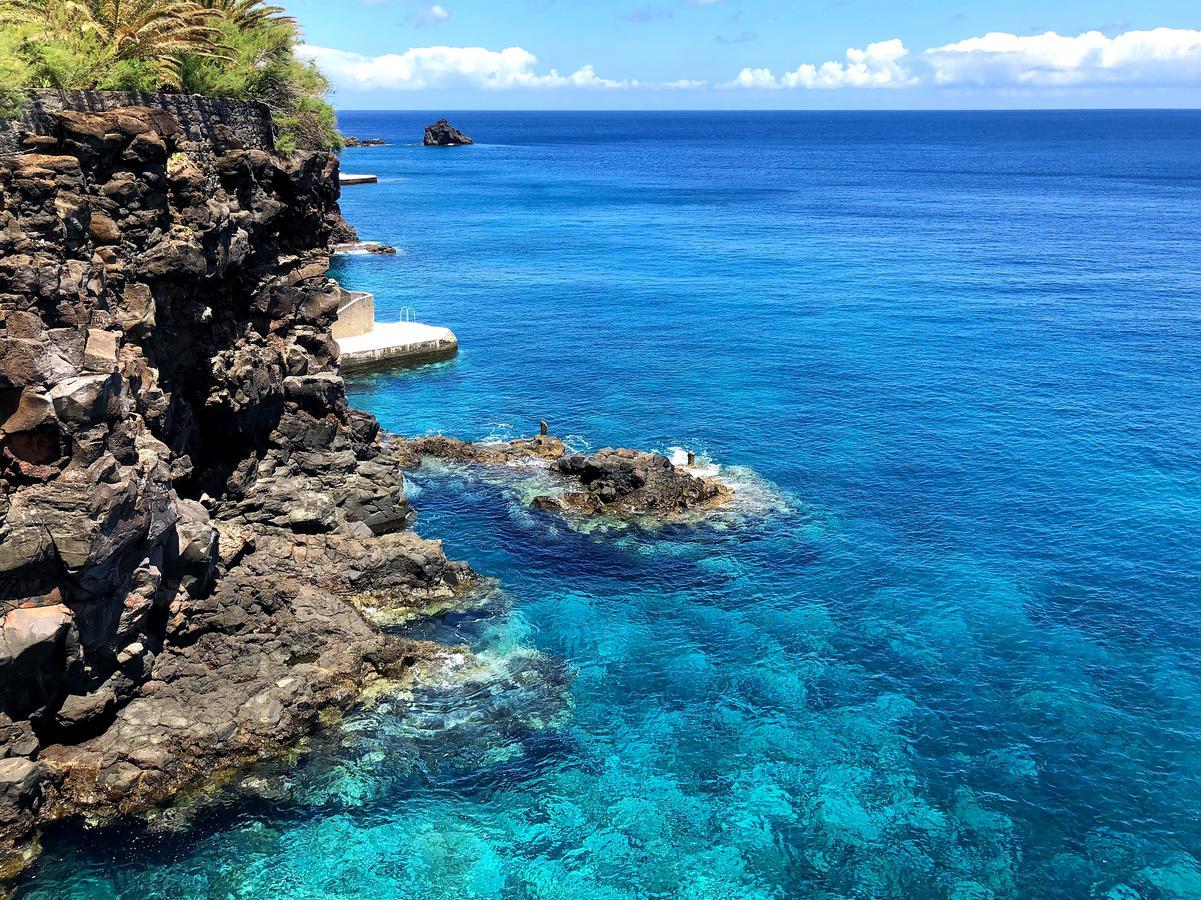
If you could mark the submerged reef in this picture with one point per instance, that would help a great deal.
(189, 506)
(619, 484)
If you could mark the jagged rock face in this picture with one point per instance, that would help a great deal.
(182, 483)
(443, 134)
(615, 483)
(629, 484)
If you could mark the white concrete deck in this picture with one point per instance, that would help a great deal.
(352, 178)
(399, 342)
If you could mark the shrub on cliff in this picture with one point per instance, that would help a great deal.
(227, 48)
(260, 65)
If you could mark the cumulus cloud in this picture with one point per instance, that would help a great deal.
(1161, 56)
(430, 68)
(880, 65)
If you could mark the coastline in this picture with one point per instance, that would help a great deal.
(955, 580)
(260, 600)
(206, 620)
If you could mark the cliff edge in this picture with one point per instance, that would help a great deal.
(189, 504)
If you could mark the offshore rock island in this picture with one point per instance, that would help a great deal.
(188, 502)
(443, 134)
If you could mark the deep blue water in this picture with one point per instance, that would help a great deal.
(954, 647)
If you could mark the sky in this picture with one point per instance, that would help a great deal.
(755, 54)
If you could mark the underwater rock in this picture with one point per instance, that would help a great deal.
(615, 483)
(457, 713)
(443, 134)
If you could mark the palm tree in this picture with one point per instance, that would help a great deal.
(157, 32)
(247, 14)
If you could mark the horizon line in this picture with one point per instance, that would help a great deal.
(966, 109)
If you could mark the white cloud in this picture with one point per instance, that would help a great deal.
(1158, 57)
(755, 78)
(429, 68)
(428, 15)
(434, 68)
(1163, 56)
(880, 65)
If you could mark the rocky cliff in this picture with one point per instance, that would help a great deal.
(189, 505)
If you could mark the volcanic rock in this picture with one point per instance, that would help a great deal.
(443, 134)
(189, 508)
(615, 483)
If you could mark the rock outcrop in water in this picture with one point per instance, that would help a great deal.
(443, 134)
(188, 502)
(364, 247)
(543, 448)
(618, 484)
(629, 484)
(352, 141)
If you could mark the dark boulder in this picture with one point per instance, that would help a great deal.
(617, 484)
(443, 134)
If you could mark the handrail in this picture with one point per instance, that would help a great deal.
(355, 297)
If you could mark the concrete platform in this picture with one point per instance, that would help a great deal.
(351, 178)
(397, 343)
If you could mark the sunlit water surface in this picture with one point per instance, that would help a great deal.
(952, 648)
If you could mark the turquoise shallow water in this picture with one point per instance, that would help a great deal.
(953, 646)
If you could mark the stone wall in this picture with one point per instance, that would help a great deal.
(216, 122)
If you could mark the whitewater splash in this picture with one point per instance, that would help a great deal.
(754, 495)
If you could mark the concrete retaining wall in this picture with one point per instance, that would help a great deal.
(397, 343)
(214, 122)
(356, 315)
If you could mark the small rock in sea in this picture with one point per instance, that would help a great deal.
(618, 484)
(364, 247)
(362, 142)
(443, 134)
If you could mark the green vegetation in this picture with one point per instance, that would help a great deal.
(222, 48)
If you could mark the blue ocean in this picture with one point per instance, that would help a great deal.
(949, 642)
